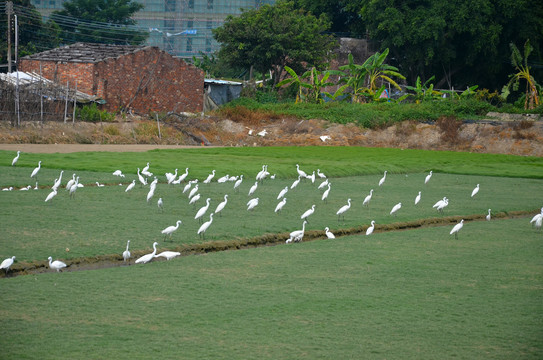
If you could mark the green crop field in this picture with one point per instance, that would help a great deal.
(395, 294)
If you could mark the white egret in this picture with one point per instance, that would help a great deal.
(130, 186)
(171, 229)
(537, 220)
(36, 187)
(442, 205)
(221, 204)
(171, 177)
(150, 194)
(160, 204)
(457, 228)
(312, 177)
(282, 193)
(70, 182)
(148, 257)
(321, 175)
(26, 188)
(488, 217)
(297, 235)
(301, 172)
(252, 204)
(126, 253)
(253, 188)
(428, 177)
(193, 191)
(417, 199)
(263, 133)
(194, 199)
(308, 213)
(223, 179)
(6, 264)
(260, 174)
(16, 158)
(118, 173)
(323, 184)
(324, 138)
(58, 181)
(99, 185)
(324, 196)
(205, 226)
(475, 191)
(382, 181)
(329, 234)
(141, 178)
(189, 185)
(238, 183)
(74, 187)
(51, 195)
(145, 168)
(280, 205)
(296, 182)
(209, 177)
(168, 254)
(184, 175)
(395, 208)
(370, 229)
(7, 189)
(56, 265)
(35, 171)
(343, 210)
(202, 210)
(367, 199)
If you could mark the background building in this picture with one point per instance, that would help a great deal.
(180, 27)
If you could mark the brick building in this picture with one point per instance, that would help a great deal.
(140, 78)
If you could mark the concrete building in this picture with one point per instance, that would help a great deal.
(137, 78)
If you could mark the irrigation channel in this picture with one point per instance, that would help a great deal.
(114, 260)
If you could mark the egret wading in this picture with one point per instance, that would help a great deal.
(56, 265)
(370, 229)
(126, 253)
(148, 257)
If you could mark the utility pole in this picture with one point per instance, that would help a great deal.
(9, 12)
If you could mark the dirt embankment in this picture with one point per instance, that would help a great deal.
(504, 134)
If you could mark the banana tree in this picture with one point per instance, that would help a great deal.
(297, 81)
(520, 63)
(378, 71)
(318, 80)
(424, 91)
(355, 79)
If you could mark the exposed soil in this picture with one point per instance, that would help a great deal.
(500, 133)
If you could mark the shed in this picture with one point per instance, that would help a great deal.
(127, 77)
(220, 92)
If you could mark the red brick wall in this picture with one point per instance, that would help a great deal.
(147, 80)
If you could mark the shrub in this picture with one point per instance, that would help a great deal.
(91, 113)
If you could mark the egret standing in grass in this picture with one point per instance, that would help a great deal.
(51, 195)
(56, 265)
(118, 173)
(282, 193)
(475, 191)
(252, 204)
(126, 253)
(308, 213)
(367, 199)
(148, 257)
(457, 228)
(488, 217)
(16, 158)
(171, 229)
(221, 204)
(58, 181)
(184, 175)
(202, 211)
(417, 199)
(301, 172)
(382, 181)
(323, 184)
(238, 183)
(160, 205)
(209, 177)
(6, 264)
(35, 171)
(328, 233)
(205, 226)
(280, 205)
(428, 177)
(130, 186)
(295, 183)
(395, 208)
(325, 193)
(343, 210)
(253, 188)
(168, 254)
(70, 182)
(193, 191)
(370, 229)
(297, 235)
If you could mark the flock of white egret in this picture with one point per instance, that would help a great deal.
(192, 189)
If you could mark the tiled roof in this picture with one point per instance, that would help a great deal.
(85, 52)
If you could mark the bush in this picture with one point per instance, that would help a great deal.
(91, 113)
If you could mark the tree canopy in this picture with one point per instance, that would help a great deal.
(272, 37)
(115, 17)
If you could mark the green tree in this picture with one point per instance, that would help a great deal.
(34, 35)
(520, 63)
(100, 21)
(272, 37)
(342, 14)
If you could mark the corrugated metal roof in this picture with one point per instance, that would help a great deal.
(85, 52)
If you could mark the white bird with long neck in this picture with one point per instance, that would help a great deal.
(475, 191)
(74, 187)
(51, 195)
(308, 213)
(184, 175)
(417, 199)
(205, 226)
(193, 191)
(328, 233)
(194, 199)
(488, 217)
(160, 205)
(252, 204)
(260, 173)
(238, 183)
(209, 177)
(70, 182)
(118, 173)
(282, 192)
(370, 229)
(171, 229)
(141, 178)
(35, 171)
(56, 265)
(367, 199)
(221, 205)
(323, 184)
(189, 185)
(457, 228)
(150, 194)
(26, 188)
(148, 257)
(343, 210)
(280, 205)
(146, 172)
(395, 208)
(253, 189)
(297, 235)
(537, 220)
(171, 177)
(324, 196)
(126, 253)
(223, 179)
(442, 205)
(296, 182)
(58, 181)
(16, 158)
(301, 172)
(99, 185)
(312, 177)
(382, 181)
(321, 175)
(202, 211)
(428, 177)
(168, 254)
(145, 168)
(130, 186)
(6, 264)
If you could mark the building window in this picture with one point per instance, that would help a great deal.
(189, 45)
(209, 22)
(208, 45)
(210, 4)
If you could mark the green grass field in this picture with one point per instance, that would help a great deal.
(395, 294)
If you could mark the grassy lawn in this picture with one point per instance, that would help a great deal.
(400, 294)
